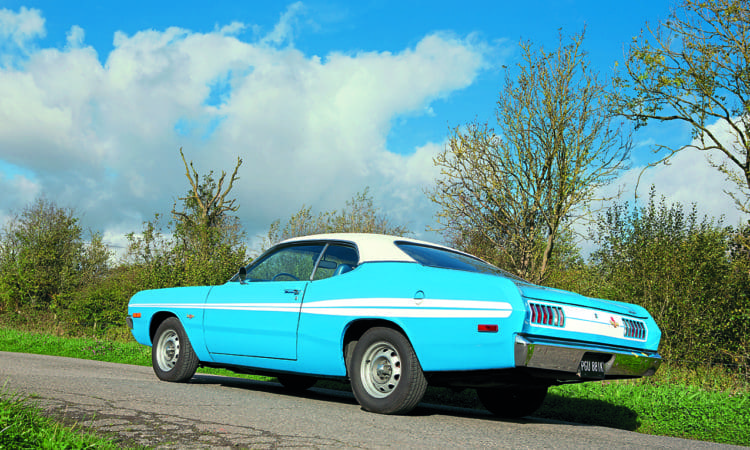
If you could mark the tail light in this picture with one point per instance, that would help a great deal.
(542, 314)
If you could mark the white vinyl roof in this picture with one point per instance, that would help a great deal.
(371, 247)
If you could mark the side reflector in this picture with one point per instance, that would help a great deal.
(136, 315)
(487, 328)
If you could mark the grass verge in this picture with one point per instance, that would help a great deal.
(23, 426)
(704, 404)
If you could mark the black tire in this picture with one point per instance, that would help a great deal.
(296, 383)
(386, 376)
(512, 401)
(172, 356)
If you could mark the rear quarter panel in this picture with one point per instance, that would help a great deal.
(438, 309)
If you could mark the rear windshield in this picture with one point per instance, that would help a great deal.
(446, 259)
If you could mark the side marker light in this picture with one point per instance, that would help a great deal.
(487, 328)
(136, 315)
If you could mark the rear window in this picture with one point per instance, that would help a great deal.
(446, 259)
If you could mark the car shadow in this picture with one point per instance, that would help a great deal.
(588, 412)
(274, 387)
(556, 408)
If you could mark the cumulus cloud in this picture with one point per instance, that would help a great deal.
(20, 28)
(284, 29)
(18, 189)
(689, 177)
(102, 135)
(75, 37)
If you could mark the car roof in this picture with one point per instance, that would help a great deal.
(371, 247)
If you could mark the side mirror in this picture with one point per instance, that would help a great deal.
(242, 274)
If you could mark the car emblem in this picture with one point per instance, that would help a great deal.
(613, 322)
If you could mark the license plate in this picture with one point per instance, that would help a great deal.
(591, 368)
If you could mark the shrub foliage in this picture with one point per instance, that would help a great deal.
(681, 268)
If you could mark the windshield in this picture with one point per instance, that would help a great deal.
(447, 259)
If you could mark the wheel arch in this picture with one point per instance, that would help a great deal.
(156, 320)
(357, 328)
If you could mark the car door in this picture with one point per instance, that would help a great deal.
(258, 316)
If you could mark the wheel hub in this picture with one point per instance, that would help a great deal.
(381, 369)
(169, 350)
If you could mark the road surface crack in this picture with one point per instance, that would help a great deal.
(130, 427)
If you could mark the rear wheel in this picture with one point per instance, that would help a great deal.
(385, 374)
(512, 401)
(172, 356)
(296, 383)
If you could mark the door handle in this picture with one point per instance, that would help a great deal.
(291, 291)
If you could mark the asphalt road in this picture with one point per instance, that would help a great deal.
(215, 412)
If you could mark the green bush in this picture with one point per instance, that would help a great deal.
(679, 268)
(43, 258)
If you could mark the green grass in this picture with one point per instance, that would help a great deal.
(90, 348)
(704, 403)
(23, 426)
(667, 410)
(82, 348)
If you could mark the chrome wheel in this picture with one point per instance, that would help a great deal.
(381, 369)
(168, 350)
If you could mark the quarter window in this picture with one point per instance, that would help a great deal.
(337, 259)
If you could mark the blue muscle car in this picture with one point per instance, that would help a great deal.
(393, 315)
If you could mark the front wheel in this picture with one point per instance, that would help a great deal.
(386, 376)
(512, 401)
(172, 356)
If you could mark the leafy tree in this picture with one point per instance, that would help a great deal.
(43, 258)
(693, 69)
(359, 216)
(151, 255)
(677, 266)
(515, 190)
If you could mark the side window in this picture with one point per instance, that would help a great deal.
(337, 259)
(285, 264)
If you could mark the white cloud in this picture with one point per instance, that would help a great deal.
(689, 177)
(21, 27)
(18, 190)
(103, 138)
(75, 37)
(284, 29)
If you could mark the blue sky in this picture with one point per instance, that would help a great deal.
(320, 98)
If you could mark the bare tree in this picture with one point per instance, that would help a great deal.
(206, 203)
(516, 189)
(207, 239)
(694, 68)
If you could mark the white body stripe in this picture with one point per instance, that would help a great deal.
(380, 307)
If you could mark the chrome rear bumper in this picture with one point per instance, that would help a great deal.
(544, 354)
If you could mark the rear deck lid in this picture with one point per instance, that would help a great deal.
(534, 292)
